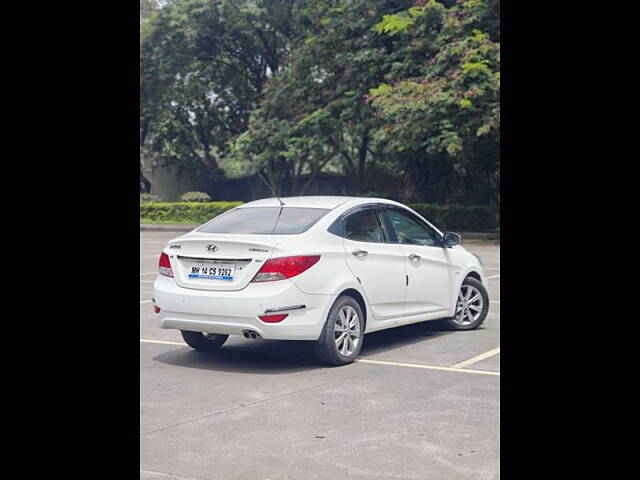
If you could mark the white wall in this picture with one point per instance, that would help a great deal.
(168, 185)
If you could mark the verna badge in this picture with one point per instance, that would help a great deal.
(212, 248)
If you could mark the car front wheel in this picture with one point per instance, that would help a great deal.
(472, 306)
(204, 342)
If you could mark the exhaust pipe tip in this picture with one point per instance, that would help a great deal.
(250, 335)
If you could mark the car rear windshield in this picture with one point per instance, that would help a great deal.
(265, 220)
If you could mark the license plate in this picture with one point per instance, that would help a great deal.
(212, 271)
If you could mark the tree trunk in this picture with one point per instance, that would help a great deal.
(145, 184)
(362, 158)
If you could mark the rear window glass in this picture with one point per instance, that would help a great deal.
(265, 220)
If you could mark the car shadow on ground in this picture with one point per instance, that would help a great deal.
(277, 357)
(270, 357)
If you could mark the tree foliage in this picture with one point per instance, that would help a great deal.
(203, 65)
(313, 115)
(398, 95)
(147, 7)
(445, 106)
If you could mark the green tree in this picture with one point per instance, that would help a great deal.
(203, 65)
(147, 7)
(314, 115)
(399, 95)
(441, 109)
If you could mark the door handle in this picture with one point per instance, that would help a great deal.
(413, 256)
(360, 253)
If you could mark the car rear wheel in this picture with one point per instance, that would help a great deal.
(341, 338)
(204, 342)
(472, 306)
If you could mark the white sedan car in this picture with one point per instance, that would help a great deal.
(325, 269)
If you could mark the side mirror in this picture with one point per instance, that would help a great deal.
(451, 239)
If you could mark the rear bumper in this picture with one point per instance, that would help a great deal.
(230, 313)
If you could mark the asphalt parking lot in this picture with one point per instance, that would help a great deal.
(421, 403)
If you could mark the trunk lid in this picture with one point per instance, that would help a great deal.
(219, 261)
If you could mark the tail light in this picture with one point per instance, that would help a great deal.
(273, 318)
(164, 266)
(285, 267)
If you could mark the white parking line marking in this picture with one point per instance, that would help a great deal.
(493, 276)
(426, 367)
(366, 360)
(147, 281)
(477, 358)
(149, 256)
(148, 273)
(144, 301)
(494, 301)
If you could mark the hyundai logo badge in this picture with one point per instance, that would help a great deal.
(212, 248)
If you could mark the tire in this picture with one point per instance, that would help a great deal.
(204, 342)
(466, 316)
(342, 313)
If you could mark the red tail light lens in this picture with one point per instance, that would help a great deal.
(285, 267)
(164, 266)
(273, 318)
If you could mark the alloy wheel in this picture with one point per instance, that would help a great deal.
(469, 306)
(347, 330)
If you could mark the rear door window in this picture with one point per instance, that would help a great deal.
(364, 226)
(265, 220)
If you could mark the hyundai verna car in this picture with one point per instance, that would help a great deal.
(324, 269)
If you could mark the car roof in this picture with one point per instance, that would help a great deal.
(315, 201)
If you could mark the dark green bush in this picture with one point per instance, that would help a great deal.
(148, 197)
(195, 197)
(183, 212)
(453, 217)
(460, 217)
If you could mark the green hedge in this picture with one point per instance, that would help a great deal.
(470, 218)
(195, 197)
(454, 217)
(183, 212)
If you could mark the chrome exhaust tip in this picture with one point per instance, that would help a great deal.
(250, 334)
